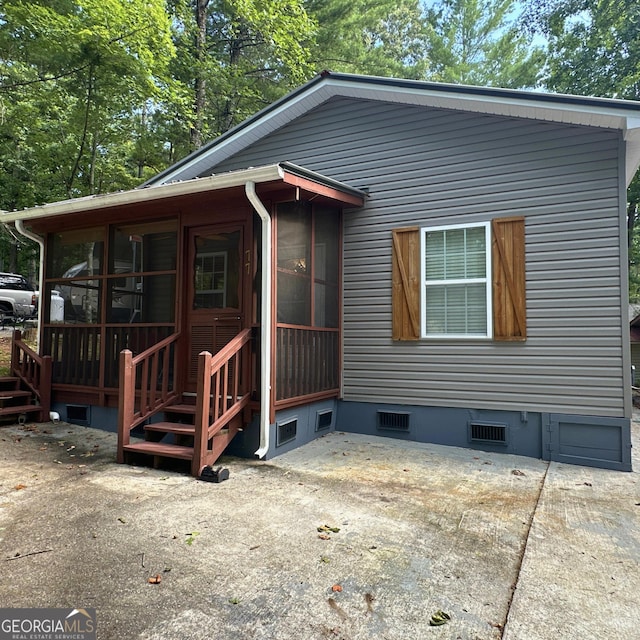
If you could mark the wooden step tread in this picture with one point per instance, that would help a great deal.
(160, 449)
(17, 410)
(171, 427)
(7, 394)
(181, 408)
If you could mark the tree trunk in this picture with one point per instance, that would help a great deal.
(200, 100)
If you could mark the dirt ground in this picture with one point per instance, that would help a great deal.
(5, 351)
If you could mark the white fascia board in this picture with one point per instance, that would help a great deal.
(531, 105)
(257, 127)
(257, 175)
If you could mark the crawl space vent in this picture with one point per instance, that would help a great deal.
(324, 419)
(488, 432)
(286, 431)
(78, 414)
(392, 421)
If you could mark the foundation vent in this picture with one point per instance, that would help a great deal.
(392, 421)
(78, 414)
(286, 431)
(324, 419)
(488, 432)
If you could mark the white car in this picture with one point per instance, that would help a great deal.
(18, 298)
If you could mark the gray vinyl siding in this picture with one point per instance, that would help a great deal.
(430, 167)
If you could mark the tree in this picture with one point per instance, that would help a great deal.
(377, 37)
(594, 49)
(481, 42)
(237, 56)
(74, 77)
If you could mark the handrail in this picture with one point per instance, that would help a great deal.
(223, 392)
(33, 370)
(153, 371)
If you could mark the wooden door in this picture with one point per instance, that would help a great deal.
(219, 271)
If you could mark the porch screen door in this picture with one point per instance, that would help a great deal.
(215, 295)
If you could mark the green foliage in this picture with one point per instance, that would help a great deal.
(74, 77)
(480, 42)
(377, 37)
(594, 49)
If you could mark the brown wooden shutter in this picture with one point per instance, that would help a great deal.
(509, 295)
(406, 284)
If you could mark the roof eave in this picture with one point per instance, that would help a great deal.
(283, 172)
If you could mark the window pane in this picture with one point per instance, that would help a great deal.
(455, 254)
(217, 271)
(475, 252)
(435, 255)
(456, 309)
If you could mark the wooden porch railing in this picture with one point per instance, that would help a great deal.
(34, 371)
(147, 385)
(223, 392)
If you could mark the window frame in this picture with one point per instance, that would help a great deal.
(486, 280)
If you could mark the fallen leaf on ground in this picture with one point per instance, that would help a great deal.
(19, 487)
(326, 528)
(324, 536)
(439, 618)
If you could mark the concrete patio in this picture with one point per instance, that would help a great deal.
(509, 547)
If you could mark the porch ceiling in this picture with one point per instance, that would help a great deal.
(269, 177)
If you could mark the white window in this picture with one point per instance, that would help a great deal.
(456, 281)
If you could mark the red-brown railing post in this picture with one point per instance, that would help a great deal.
(203, 402)
(45, 388)
(126, 403)
(15, 355)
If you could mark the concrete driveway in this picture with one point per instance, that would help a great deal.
(509, 547)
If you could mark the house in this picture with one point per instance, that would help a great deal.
(433, 262)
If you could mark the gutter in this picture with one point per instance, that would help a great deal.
(36, 238)
(265, 319)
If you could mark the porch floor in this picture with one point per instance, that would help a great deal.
(422, 528)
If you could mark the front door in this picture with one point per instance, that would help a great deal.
(219, 273)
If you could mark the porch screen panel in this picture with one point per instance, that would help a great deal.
(294, 263)
(307, 300)
(118, 284)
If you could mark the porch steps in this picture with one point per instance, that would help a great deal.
(173, 438)
(16, 403)
(171, 427)
(161, 449)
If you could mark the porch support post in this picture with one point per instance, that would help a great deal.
(265, 320)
